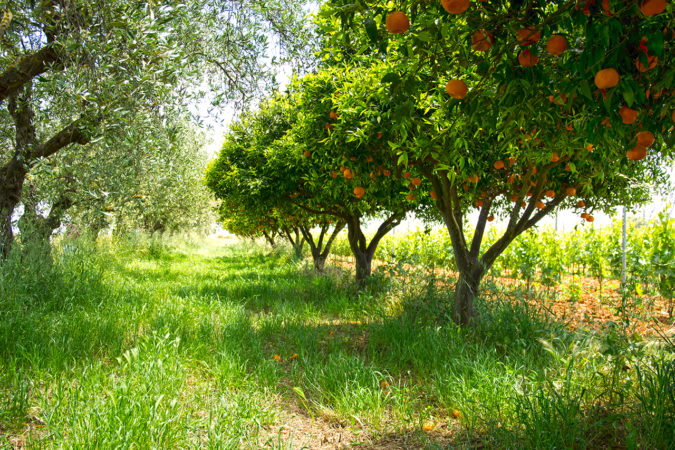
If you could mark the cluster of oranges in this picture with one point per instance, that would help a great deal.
(397, 22)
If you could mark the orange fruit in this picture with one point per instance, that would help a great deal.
(359, 192)
(570, 191)
(428, 426)
(651, 63)
(556, 45)
(386, 172)
(455, 6)
(628, 115)
(528, 36)
(457, 89)
(433, 195)
(653, 7)
(406, 175)
(307, 154)
(605, 7)
(637, 153)
(379, 135)
(530, 194)
(583, 215)
(673, 116)
(416, 181)
(479, 203)
(514, 198)
(568, 168)
(333, 115)
(456, 414)
(411, 197)
(540, 205)
(397, 22)
(645, 138)
(569, 127)
(481, 41)
(499, 164)
(473, 178)
(552, 99)
(590, 218)
(606, 78)
(554, 158)
(581, 204)
(329, 126)
(527, 59)
(490, 218)
(334, 174)
(348, 174)
(550, 193)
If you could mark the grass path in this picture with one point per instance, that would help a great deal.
(218, 344)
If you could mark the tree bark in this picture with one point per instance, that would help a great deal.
(362, 250)
(36, 229)
(319, 250)
(26, 152)
(296, 239)
(471, 265)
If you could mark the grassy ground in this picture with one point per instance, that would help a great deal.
(143, 343)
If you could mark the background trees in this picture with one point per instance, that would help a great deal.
(77, 72)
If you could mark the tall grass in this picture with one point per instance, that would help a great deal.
(171, 343)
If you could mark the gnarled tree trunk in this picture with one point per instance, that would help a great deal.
(471, 265)
(320, 251)
(296, 239)
(362, 250)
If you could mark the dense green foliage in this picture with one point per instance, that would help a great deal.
(149, 343)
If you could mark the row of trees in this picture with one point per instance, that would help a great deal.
(514, 108)
(94, 97)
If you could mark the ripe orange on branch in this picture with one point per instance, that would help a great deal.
(606, 78)
(499, 164)
(556, 45)
(456, 89)
(628, 115)
(527, 59)
(571, 191)
(481, 41)
(455, 6)
(653, 7)
(645, 138)
(528, 36)
(397, 22)
(637, 153)
(416, 181)
(651, 63)
(359, 192)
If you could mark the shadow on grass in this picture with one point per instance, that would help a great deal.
(388, 350)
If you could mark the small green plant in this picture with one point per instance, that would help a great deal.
(573, 291)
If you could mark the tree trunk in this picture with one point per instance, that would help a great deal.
(465, 292)
(363, 266)
(270, 239)
(12, 178)
(319, 250)
(319, 261)
(362, 250)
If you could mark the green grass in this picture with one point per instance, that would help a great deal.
(142, 343)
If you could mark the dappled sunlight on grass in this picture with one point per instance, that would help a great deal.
(165, 344)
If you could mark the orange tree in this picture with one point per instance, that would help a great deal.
(252, 190)
(526, 106)
(339, 159)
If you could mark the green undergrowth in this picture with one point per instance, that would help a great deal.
(147, 343)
